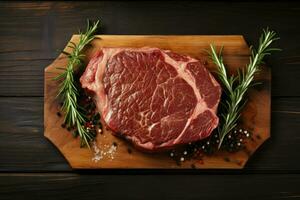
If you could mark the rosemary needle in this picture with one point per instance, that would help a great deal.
(235, 87)
(68, 91)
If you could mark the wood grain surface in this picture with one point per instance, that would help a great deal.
(255, 118)
(68, 186)
(31, 167)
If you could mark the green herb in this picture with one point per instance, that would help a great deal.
(235, 87)
(68, 91)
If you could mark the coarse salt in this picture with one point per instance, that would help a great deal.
(106, 152)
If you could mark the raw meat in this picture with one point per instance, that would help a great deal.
(155, 98)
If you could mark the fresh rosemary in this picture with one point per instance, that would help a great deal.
(74, 114)
(235, 87)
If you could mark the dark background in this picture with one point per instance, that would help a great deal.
(32, 35)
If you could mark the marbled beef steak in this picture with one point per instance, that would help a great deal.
(155, 98)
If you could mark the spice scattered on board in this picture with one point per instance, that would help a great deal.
(234, 141)
(93, 124)
(106, 151)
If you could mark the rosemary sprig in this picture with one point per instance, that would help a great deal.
(68, 91)
(235, 87)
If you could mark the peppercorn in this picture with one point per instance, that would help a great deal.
(129, 150)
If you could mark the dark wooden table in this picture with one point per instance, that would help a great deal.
(33, 34)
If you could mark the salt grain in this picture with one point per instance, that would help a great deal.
(106, 152)
(111, 151)
(97, 158)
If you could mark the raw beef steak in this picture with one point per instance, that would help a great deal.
(155, 98)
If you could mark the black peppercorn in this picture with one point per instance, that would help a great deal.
(129, 150)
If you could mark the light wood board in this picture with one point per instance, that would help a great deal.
(255, 117)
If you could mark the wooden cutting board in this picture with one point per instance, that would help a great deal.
(255, 117)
